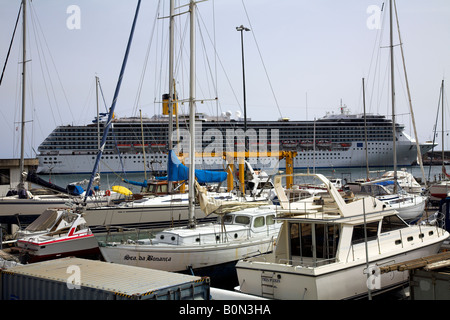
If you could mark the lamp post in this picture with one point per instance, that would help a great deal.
(241, 29)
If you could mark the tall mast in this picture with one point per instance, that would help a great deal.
(365, 130)
(393, 98)
(24, 60)
(171, 78)
(419, 152)
(191, 222)
(443, 153)
(113, 105)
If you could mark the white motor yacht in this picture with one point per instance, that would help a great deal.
(330, 249)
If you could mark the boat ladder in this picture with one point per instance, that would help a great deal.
(267, 284)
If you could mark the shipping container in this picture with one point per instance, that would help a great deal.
(430, 285)
(82, 279)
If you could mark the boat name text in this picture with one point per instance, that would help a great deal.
(148, 258)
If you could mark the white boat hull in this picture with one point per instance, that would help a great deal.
(286, 283)
(15, 210)
(412, 209)
(440, 190)
(262, 276)
(180, 259)
(77, 245)
(163, 212)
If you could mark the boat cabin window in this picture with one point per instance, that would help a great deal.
(391, 223)
(242, 220)
(313, 243)
(258, 222)
(4, 176)
(270, 220)
(358, 232)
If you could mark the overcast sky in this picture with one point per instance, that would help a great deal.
(302, 60)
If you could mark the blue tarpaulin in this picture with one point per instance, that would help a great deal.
(74, 189)
(385, 183)
(178, 172)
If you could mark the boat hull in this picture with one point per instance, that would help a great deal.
(101, 220)
(440, 190)
(80, 246)
(181, 259)
(350, 281)
(411, 209)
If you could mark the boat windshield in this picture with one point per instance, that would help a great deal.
(45, 220)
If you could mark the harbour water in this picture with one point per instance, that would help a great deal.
(432, 174)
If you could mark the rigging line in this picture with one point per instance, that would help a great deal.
(216, 54)
(11, 43)
(377, 66)
(262, 61)
(215, 58)
(434, 133)
(213, 75)
(208, 64)
(112, 127)
(141, 81)
(52, 60)
(43, 66)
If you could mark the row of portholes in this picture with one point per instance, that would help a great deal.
(411, 238)
(173, 238)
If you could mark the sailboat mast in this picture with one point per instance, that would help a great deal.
(191, 222)
(419, 152)
(113, 105)
(24, 60)
(443, 149)
(394, 138)
(365, 129)
(171, 84)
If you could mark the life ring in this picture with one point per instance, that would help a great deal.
(107, 193)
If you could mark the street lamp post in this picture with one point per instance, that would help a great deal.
(241, 29)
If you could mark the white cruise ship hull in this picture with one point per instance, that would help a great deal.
(380, 155)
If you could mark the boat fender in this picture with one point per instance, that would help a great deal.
(107, 193)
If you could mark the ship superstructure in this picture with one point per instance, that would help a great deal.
(337, 140)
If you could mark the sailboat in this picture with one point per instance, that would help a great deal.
(166, 211)
(21, 206)
(199, 248)
(406, 181)
(441, 189)
(410, 207)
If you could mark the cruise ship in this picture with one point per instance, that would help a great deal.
(135, 144)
